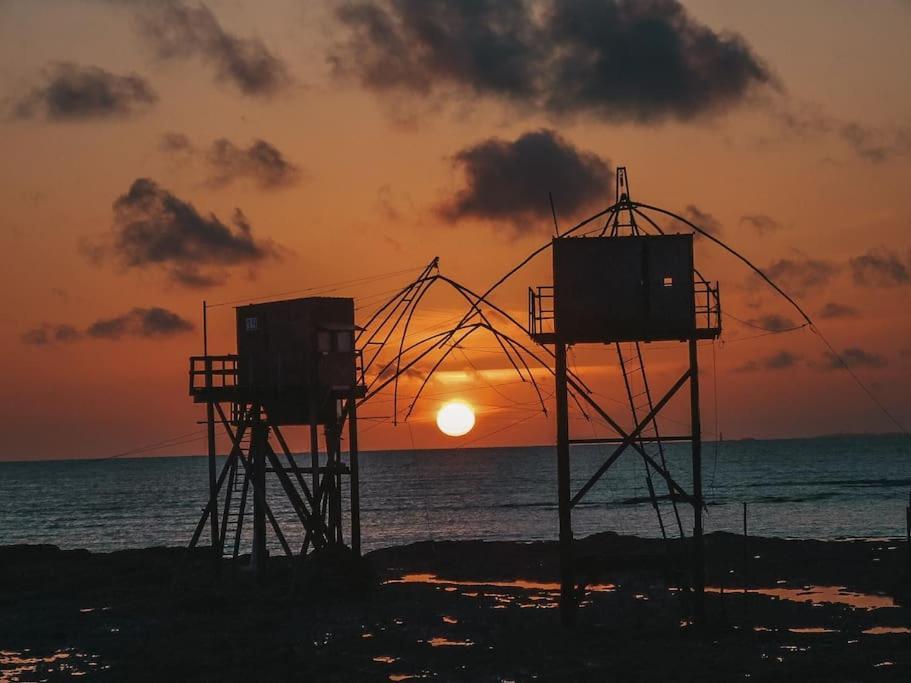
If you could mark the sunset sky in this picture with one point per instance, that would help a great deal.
(161, 153)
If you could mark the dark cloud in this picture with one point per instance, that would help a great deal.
(175, 143)
(50, 334)
(761, 223)
(879, 267)
(855, 357)
(149, 322)
(871, 143)
(833, 309)
(261, 162)
(140, 322)
(70, 92)
(154, 228)
(618, 60)
(773, 322)
(178, 31)
(875, 144)
(800, 275)
(509, 181)
(703, 219)
(778, 361)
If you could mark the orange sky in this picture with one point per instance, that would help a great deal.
(364, 203)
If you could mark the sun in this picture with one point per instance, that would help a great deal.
(455, 418)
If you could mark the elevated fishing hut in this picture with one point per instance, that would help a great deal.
(624, 287)
(296, 365)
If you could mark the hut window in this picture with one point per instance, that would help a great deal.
(344, 341)
(668, 281)
(251, 324)
(324, 342)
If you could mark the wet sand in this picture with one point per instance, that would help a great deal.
(487, 611)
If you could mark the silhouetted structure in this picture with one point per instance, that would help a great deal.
(623, 289)
(296, 364)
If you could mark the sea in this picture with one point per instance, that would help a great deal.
(835, 487)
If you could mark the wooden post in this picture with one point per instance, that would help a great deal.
(314, 453)
(746, 550)
(746, 566)
(332, 477)
(258, 456)
(210, 437)
(567, 578)
(698, 541)
(908, 531)
(355, 477)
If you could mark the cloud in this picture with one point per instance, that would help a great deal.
(778, 361)
(616, 60)
(178, 31)
(855, 357)
(761, 223)
(703, 219)
(154, 228)
(50, 334)
(801, 275)
(152, 322)
(876, 144)
(879, 267)
(140, 322)
(71, 92)
(772, 322)
(175, 143)
(834, 309)
(509, 180)
(261, 162)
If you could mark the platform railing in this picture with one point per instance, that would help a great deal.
(540, 310)
(708, 306)
(212, 372)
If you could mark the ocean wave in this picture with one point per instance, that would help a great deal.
(845, 483)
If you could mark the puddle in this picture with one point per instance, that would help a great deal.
(385, 659)
(406, 677)
(813, 629)
(818, 595)
(516, 583)
(446, 642)
(14, 664)
(450, 620)
(886, 630)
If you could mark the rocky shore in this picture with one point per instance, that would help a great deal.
(468, 610)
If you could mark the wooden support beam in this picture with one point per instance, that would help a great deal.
(258, 457)
(355, 476)
(298, 471)
(207, 511)
(582, 392)
(309, 521)
(629, 440)
(567, 574)
(698, 541)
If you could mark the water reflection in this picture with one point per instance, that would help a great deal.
(515, 583)
(14, 664)
(819, 595)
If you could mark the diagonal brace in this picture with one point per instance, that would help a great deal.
(629, 440)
